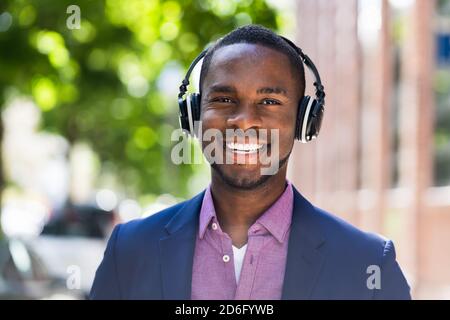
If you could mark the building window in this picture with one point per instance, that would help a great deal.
(399, 10)
(442, 95)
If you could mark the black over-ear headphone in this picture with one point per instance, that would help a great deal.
(309, 114)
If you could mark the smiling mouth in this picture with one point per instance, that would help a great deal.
(244, 148)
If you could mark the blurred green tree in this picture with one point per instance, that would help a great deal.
(102, 83)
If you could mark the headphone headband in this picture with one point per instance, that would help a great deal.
(185, 82)
(309, 114)
(320, 93)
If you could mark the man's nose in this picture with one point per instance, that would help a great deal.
(245, 117)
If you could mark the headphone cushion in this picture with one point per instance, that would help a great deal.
(195, 106)
(301, 110)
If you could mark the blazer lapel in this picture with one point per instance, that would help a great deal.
(177, 251)
(304, 260)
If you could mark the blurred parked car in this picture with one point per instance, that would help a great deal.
(75, 237)
(23, 275)
(80, 220)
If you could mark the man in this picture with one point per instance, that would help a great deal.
(248, 235)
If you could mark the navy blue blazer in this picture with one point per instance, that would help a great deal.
(327, 258)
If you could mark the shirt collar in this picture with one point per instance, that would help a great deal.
(207, 212)
(276, 219)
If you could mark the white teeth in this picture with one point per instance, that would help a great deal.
(247, 147)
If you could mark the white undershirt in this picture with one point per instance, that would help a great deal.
(238, 255)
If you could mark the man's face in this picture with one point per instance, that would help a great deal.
(249, 86)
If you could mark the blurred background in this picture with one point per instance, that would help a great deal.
(88, 96)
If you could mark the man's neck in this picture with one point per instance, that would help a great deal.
(238, 209)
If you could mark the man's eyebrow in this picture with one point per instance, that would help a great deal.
(277, 90)
(222, 88)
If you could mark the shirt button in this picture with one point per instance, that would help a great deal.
(214, 226)
(226, 258)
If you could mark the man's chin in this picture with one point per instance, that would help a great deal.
(247, 179)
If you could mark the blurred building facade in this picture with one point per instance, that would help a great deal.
(382, 158)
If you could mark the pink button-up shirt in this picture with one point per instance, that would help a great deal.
(262, 273)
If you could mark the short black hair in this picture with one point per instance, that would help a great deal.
(256, 34)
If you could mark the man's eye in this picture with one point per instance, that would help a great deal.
(270, 102)
(222, 100)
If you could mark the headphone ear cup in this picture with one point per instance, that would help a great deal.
(315, 120)
(184, 118)
(195, 107)
(300, 116)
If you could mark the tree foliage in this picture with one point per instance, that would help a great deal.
(103, 83)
